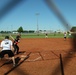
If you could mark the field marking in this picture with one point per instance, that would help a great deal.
(23, 56)
(35, 59)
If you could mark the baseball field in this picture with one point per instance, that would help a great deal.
(46, 56)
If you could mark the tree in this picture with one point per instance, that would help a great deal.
(73, 29)
(20, 29)
(31, 31)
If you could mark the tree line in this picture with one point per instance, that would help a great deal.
(20, 30)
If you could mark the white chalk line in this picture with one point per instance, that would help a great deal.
(24, 56)
(35, 59)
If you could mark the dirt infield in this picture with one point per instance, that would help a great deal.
(44, 58)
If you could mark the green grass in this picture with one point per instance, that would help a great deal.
(42, 36)
(34, 35)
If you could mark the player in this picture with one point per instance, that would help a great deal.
(18, 36)
(6, 48)
(15, 44)
(65, 36)
(46, 35)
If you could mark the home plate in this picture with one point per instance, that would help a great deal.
(34, 57)
(23, 57)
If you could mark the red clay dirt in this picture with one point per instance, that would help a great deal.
(44, 58)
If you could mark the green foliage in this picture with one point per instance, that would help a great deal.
(73, 29)
(20, 29)
(31, 31)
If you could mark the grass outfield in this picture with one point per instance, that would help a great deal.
(34, 35)
(42, 36)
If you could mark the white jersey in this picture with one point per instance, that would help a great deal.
(65, 35)
(6, 44)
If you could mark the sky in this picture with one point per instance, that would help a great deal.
(24, 14)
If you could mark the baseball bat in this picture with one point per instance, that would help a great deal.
(11, 37)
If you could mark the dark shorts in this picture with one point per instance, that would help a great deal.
(9, 52)
(65, 37)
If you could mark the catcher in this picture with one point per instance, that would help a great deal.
(6, 48)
